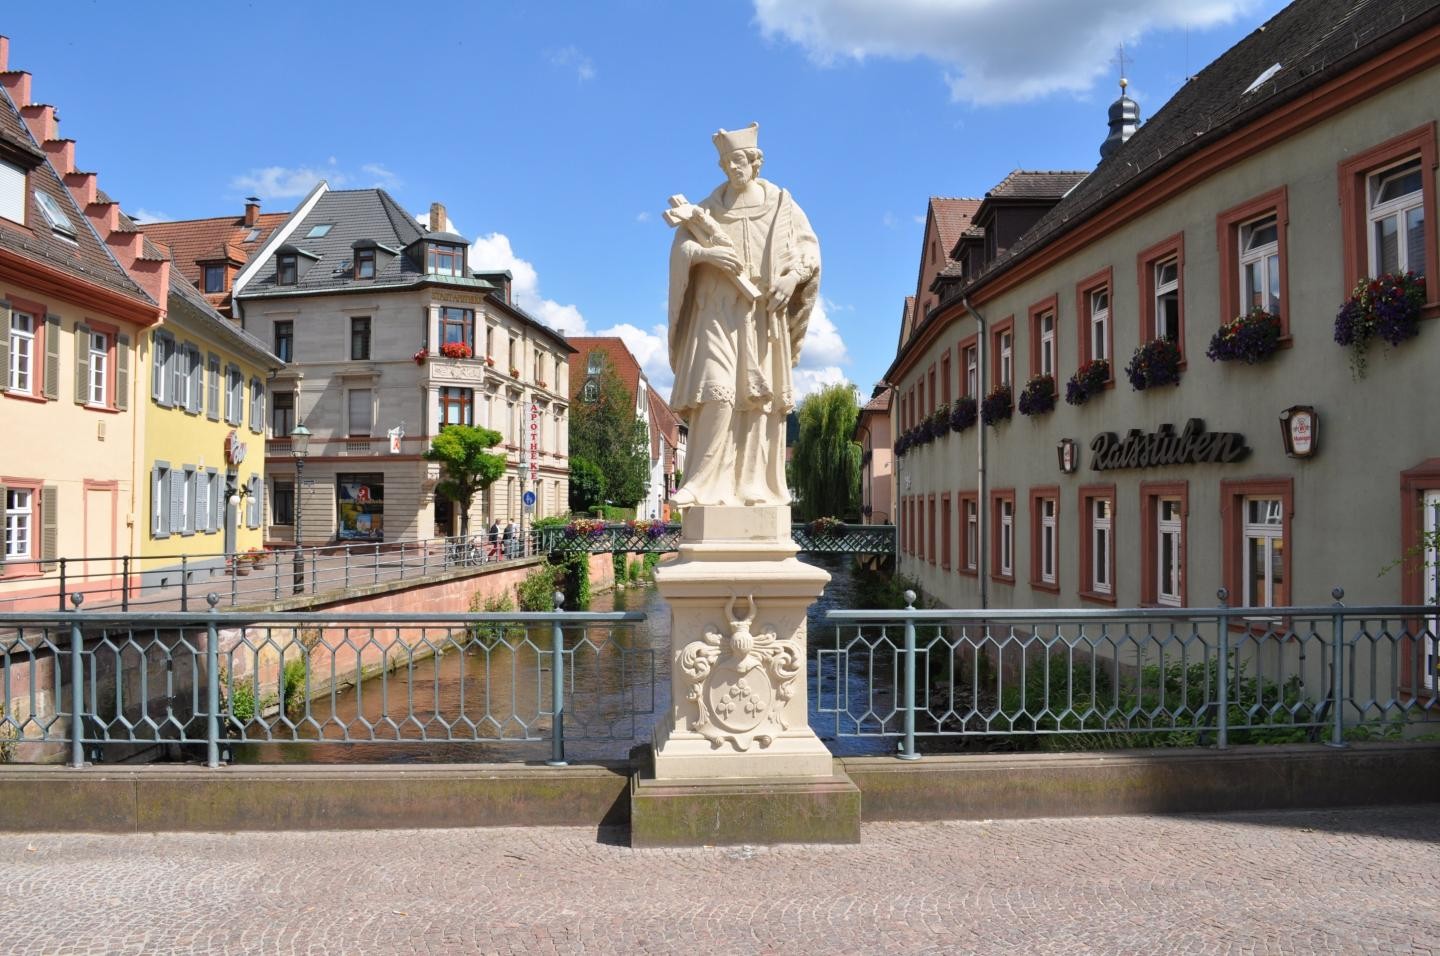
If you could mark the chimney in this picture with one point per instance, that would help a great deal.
(1124, 119)
(4, 53)
(437, 217)
(252, 209)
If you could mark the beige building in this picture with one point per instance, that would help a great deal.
(388, 336)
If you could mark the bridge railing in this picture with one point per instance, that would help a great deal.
(645, 537)
(213, 681)
(181, 581)
(1129, 677)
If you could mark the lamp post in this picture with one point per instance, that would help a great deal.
(299, 448)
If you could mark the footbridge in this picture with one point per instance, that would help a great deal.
(654, 537)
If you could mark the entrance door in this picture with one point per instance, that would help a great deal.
(1430, 569)
(444, 517)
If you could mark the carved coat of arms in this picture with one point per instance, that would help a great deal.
(740, 682)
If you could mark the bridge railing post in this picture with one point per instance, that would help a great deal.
(557, 687)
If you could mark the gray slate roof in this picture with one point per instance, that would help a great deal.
(1312, 40)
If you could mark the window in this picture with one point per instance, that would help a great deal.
(212, 405)
(234, 395)
(98, 394)
(1163, 510)
(187, 499)
(1256, 528)
(21, 373)
(594, 362)
(970, 539)
(195, 386)
(162, 365)
(286, 272)
(1162, 307)
(19, 523)
(444, 260)
(360, 408)
(945, 378)
(457, 406)
(360, 338)
(55, 214)
(252, 235)
(1005, 353)
(1252, 240)
(970, 360)
(179, 365)
(946, 523)
(1420, 579)
(1045, 538)
(282, 414)
(214, 279)
(1092, 309)
(1097, 543)
(1167, 300)
(490, 343)
(320, 230)
(257, 406)
(1043, 357)
(285, 341)
(364, 263)
(457, 325)
(12, 192)
(282, 502)
(1384, 193)
(1002, 545)
(160, 500)
(932, 552)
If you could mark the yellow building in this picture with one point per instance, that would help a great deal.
(204, 441)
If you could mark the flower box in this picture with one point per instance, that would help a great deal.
(514, 372)
(420, 356)
(1038, 396)
(1154, 364)
(998, 406)
(455, 350)
(827, 527)
(1088, 381)
(963, 413)
(1387, 307)
(1251, 338)
(490, 362)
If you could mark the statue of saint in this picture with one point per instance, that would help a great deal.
(744, 277)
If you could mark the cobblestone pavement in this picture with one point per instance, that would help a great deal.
(1354, 881)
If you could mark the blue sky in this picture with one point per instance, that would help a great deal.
(553, 132)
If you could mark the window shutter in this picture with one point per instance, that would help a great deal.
(202, 502)
(122, 372)
(49, 522)
(82, 364)
(51, 381)
(177, 500)
(157, 368)
(5, 350)
(157, 502)
(192, 479)
(197, 382)
(257, 406)
(260, 503)
(4, 503)
(213, 408)
(217, 494)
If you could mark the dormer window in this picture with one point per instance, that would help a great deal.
(214, 279)
(364, 263)
(59, 221)
(285, 269)
(12, 192)
(444, 260)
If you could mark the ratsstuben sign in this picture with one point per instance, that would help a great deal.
(1192, 445)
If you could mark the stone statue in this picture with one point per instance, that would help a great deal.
(744, 278)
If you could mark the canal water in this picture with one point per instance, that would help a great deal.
(618, 687)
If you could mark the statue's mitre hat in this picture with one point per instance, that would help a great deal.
(728, 140)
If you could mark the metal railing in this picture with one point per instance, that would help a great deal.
(846, 539)
(216, 680)
(1129, 677)
(180, 581)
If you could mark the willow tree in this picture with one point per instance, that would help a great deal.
(826, 465)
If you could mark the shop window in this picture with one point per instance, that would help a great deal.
(1164, 508)
(1097, 543)
(1384, 194)
(1253, 258)
(361, 500)
(1045, 538)
(1002, 544)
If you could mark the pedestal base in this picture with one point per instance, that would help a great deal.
(676, 812)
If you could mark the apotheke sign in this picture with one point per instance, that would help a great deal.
(1192, 446)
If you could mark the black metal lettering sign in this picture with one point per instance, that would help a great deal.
(1192, 446)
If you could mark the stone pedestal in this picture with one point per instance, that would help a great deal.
(737, 665)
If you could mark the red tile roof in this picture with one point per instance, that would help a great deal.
(952, 216)
(193, 241)
(663, 419)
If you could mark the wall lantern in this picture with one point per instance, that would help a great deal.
(1300, 429)
(1068, 455)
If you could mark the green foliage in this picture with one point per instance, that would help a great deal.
(613, 512)
(292, 687)
(632, 573)
(880, 591)
(489, 634)
(7, 738)
(549, 521)
(618, 565)
(468, 466)
(537, 591)
(650, 563)
(826, 464)
(577, 580)
(607, 433)
(237, 696)
(587, 484)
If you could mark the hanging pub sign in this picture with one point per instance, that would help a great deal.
(1300, 428)
(1069, 455)
(1192, 446)
(234, 449)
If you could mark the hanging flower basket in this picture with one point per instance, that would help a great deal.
(1087, 382)
(420, 356)
(998, 406)
(940, 420)
(1387, 306)
(1154, 364)
(1038, 396)
(489, 361)
(1251, 338)
(455, 350)
(651, 528)
(593, 528)
(963, 414)
(514, 372)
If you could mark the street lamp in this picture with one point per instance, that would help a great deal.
(299, 448)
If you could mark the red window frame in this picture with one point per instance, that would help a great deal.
(112, 334)
(1150, 494)
(1038, 311)
(1414, 483)
(1037, 496)
(998, 496)
(1000, 328)
(465, 321)
(931, 551)
(1104, 279)
(946, 521)
(37, 313)
(967, 563)
(1087, 495)
(363, 256)
(1227, 235)
(24, 567)
(945, 378)
(961, 368)
(1232, 517)
(1172, 247)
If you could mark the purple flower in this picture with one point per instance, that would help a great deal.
(1153, 364)
(1038, 396)
(962, 414)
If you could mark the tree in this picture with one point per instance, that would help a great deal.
(466, 464)
(587, 484)
(826, 465)
(608, 434)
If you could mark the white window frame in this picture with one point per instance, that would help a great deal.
(1267, 532)
(19, 524)
(1262, 254)
(99, 368)
(20, 376)
(972, 371)
(972, 534)
(1007, 358)
(1172, 528)
(1007, 538)
(1163, 289)
(1047, 344)
(1102, 545)
(1049, 524)
(1100, 323)
(1397, 209)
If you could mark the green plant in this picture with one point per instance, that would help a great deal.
(7, 738)
(632, 573)
(549, 521)
(237, 697)
(467, 464)
(880, 591)
(650, 563)
(489, 634)
(292, 686)
(577, 580)
(537, 591)
(617, 564)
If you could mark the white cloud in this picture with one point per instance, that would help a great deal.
(642, 216)
(493, 252)
(149, 215)
(382, 176)
(823, 345)
(286, 182)
(571, 58)
(651, 350)
(991, 52)
(810, 380)
(888, 220)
